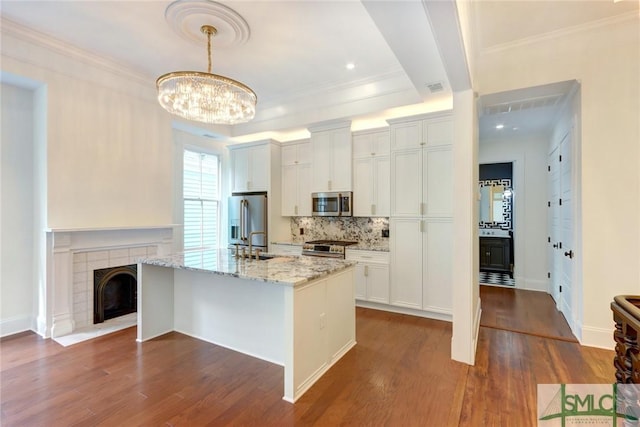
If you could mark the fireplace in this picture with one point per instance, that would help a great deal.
(115, 292)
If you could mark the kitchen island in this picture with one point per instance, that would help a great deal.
(298, 312)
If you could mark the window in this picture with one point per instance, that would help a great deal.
(201, 193)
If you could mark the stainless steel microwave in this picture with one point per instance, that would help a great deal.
(332, 204)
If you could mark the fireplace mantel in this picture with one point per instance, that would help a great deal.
(66, 245)
(89, 229)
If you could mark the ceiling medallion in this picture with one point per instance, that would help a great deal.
(186, 17)
(206, 97)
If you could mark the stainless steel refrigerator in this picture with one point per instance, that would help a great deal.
(247, 215)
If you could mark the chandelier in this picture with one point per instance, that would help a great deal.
(206, 97)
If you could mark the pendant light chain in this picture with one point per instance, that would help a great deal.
(209, 51)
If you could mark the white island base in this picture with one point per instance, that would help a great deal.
(304, 327)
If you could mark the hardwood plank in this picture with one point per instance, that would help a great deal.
(399, 373)
(523, 311)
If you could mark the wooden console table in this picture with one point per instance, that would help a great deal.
(626, 314)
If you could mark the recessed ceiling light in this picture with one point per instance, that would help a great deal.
(350, 65)
(515, 128)
(499, 126)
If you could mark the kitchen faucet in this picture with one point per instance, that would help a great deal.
(251, 242)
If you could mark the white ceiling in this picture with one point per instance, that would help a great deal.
(296, 53)
(294, 59)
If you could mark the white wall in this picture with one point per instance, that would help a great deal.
(466, 298)
(605, 60)
(529, 156)
(17, 277)
(109, 143)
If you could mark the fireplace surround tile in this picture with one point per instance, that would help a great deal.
(74, 254)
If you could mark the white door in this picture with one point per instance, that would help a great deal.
(406, 262)
(304, 189)
(363, 184)
(561, 227)
(289, 190)
(382, 186)
(566, 230)
(406, 183)
(555, 265)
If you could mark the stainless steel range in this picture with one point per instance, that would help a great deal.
(326, 248)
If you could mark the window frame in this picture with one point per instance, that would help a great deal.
(217, 200)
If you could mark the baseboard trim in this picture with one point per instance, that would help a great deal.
(597, 337)
(447, 317)
(476, 327)
(15, 325)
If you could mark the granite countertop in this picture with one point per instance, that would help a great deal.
(360, 246)
(286, 270)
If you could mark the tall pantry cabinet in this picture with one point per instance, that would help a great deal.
(422, 213)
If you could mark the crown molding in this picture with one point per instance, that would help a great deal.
(24, 33)
(563, 32)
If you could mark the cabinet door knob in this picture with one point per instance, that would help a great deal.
(555, 245)
(569, 254)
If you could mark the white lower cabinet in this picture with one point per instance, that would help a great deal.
(406, 243)
(421, 264)
(371, 275)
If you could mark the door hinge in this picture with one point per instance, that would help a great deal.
(549, 239)
(560, 158)
(559, 245)
(549, 204)
(548, 168)
(560, 288)
(548, 275)
(560, 201)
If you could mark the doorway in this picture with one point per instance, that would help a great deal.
(496, 235)
(528, 127)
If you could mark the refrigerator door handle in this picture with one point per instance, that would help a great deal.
(241, 219)
(245, 213)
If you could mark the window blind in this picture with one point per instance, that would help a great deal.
(201, 194)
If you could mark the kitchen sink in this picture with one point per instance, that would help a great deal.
(264, 257)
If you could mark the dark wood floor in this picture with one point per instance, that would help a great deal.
(528, 312)
(399, 374)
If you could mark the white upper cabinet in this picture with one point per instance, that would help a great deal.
(438, 131)
(406, 135)
(422, 167)
(371, 173)
(295, 153)
(296, 179)
(331, 158)
(250, 168)
(371, 143)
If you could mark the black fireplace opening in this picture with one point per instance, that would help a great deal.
(115, 292)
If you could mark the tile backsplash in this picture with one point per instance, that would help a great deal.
(363, 230)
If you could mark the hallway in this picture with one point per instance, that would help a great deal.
(527, 312)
